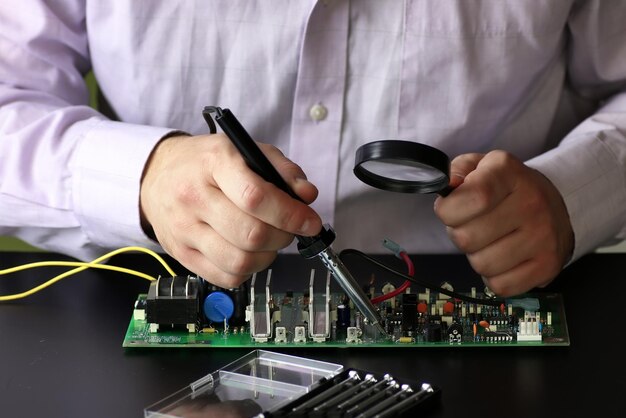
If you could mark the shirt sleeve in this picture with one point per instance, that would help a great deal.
(69, 178)
(589, 165)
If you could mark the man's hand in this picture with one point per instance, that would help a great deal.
(217, 217)
(509, 219)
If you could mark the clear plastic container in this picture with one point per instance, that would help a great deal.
(257, 382)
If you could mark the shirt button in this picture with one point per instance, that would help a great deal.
(318, 112)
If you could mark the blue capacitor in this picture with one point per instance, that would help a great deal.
(218, 306)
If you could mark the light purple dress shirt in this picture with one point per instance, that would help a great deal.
(544, 80)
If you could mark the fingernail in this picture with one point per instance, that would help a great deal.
(302, 180)
(304, 227)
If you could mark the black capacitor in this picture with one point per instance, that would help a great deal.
(343, 315)
(409, 311)
(240, 300)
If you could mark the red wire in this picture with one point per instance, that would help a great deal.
(406, 284)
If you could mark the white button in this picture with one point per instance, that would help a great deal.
(318, 112)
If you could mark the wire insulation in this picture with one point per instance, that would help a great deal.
(81, 266)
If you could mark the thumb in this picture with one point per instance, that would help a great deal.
(461, 166)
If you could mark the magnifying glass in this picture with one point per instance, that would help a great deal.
(403, 166)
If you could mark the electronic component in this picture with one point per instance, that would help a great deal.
(299, 335)
(528, 329)
(409, 312)
(239, 295)
(259, 314)
(319, 320)
(343, 314)
(173, 301)
(353, 335)
(139, 313)
(455, 333)
(218, 307)
(281, 335)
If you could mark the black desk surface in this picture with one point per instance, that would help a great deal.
(61, 350)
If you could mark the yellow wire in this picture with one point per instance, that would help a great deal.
(68, 273)
(82, 266)
(75, 264)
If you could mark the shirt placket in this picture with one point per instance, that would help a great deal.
(318, 102)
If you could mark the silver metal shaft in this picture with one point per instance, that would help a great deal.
(351, 287)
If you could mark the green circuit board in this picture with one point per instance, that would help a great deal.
(528, 320)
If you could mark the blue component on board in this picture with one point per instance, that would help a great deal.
(218, 306)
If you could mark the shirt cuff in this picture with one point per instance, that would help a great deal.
(107, 170)
(586, 170)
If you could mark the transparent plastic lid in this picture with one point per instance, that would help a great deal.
(261, 381)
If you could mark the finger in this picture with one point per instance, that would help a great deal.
(263, 200)
(516, 249)
(482, 189)
(485, 229)
(520, 279)
(461, 166)
(292, 173)
(239, 228)
(216, 260)
(502, 255)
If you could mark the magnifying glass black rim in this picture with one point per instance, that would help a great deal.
(411, 152)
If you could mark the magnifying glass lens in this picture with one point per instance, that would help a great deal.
(404, 170)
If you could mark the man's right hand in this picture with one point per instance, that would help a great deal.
(214, 215)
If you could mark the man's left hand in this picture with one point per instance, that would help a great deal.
(509, 219)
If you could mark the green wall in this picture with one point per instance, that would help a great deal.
(14, 244)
